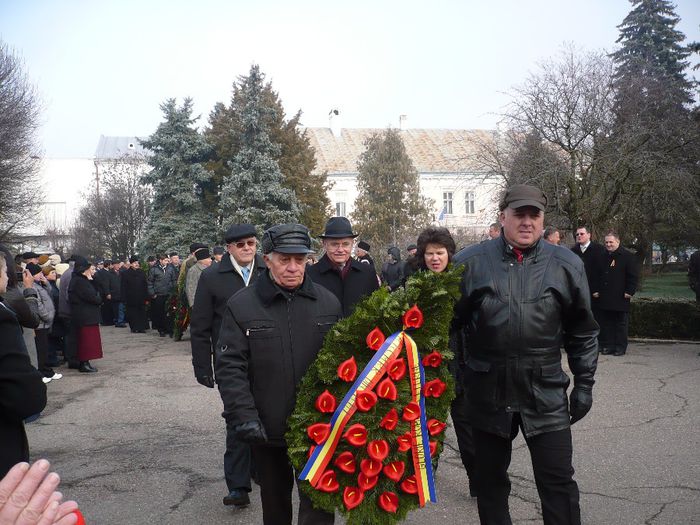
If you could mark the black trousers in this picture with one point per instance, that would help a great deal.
(41, 339)
(465, 437)
(71, 342)
(237, 462)
(107, 313)
(136, 316)
(613, 330)
(276, 477)
(551, 455)
(158, 312)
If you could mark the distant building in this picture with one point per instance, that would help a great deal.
(465, 197)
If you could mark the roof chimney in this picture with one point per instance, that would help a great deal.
(334, 122)
(402, 121)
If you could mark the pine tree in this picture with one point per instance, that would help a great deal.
(389, 208)
(179, 214)
(296, 157)
(655, 138)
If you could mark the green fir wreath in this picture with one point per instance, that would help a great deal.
(387, 498)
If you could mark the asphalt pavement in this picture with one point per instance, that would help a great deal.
(141, 442)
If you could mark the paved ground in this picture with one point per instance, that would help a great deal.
(141, 442)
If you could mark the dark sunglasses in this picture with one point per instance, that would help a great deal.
(241, 244)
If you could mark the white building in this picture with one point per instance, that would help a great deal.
(465, 198)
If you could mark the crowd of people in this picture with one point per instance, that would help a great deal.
(255, 297)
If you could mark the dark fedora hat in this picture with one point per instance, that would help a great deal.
(287, 238)
(338, 228)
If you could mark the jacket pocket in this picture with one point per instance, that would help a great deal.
(267, 377)
(323, 324)
(481, 383)
(549, 384)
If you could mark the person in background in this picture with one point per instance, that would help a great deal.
(102, 280)
(115, 293)
(22, 392)
(85, 303)
(47, 311)
(64, 312)
(694, 274)
(134, 295)
(203, 261)
(56, 333)
(552, 235)
(494, 230)
(393, 269)
(161, 283)
(218, 253)
(362, 252)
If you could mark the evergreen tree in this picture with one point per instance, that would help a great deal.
(389, 208)
(655, 137)
(179, 213)
(294, 154)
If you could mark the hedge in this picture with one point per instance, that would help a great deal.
(657, 318)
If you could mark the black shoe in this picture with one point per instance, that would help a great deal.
(120, 325)
(237, 497)
(162, 334)
(618, 353)
(87, 368)
(606, 351)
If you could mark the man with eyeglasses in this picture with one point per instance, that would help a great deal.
(346, 278)
(592, 255)
(239, 267)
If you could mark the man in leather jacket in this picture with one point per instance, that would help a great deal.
(522, 299)
(270, 334)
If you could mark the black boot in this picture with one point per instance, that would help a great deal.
(86, 367)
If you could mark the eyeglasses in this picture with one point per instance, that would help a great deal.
(243, 244)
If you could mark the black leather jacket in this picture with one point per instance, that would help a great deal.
(516, 316)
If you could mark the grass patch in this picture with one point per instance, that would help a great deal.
(666, 285)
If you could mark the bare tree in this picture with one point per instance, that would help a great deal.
(20, 192)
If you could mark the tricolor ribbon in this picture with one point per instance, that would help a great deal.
(367, 380)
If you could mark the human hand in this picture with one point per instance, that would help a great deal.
(28, 497)
(580, 401)
(109, 296)
(595, 295)
(250, 432)
(207, 381)
(628, 296)
(27, 279)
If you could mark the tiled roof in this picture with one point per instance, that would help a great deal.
(431, 150)
(115, 147)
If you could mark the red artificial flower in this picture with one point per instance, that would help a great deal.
(434, 388)
(378, 449)
(404, 442)
(365, 400)
(356, 435)
(375, 339)
(386, 389)
(433, 359)
(370, 467)
(318, 432)
(435, 426)
(413, 318)
(390, 421)
(397, 369)
(311, 451)
(328, 482)
(326, 403)
(411, 412)
(409, 485)
(365, 482)
(352, 497)
(345, 462)
(394, 470)
(347, 371)
(389, 502)
(433, 448)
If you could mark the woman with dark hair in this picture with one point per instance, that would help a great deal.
(436, 247)
(85, 304)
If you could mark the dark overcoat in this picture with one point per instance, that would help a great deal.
(115, 285)
(359, 282)
(591, 258)
(619, 274)
(269, 338)
(85, 301)
(22, 392)
(134, 289)
(215, 287)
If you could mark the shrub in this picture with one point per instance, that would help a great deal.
(665, 319)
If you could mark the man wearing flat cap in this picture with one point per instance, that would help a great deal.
(270, 335)
(346, 278)
(522, 300)
(239, 268)
(202, 259)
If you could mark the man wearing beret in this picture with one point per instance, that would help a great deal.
(270, 335)
(239, 267)
(522, 300)
(346, 278)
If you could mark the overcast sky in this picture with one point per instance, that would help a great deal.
(104, 67)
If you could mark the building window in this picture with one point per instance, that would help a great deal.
(340, 209)
(447, 202)
(469, 203)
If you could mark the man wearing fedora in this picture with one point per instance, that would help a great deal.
(346, 278)
(271, 333)
(239, 267)
(522, 300)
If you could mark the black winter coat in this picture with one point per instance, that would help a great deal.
(619, 274)
(360, 282)
(22, 392)
(269, 338)
(216, 286)
(591, 261)
(134, 287)
(161, 281)
(101, 279)
(115, 285)
(85, 301)
(516, 316)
